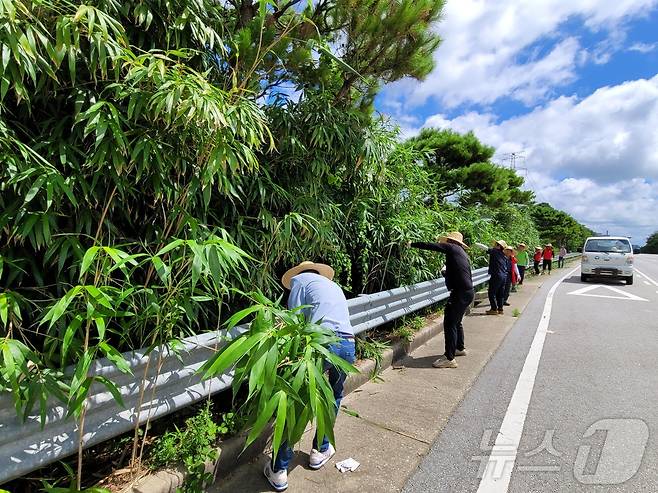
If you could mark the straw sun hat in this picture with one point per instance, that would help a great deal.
(455, 236)
(322, 269)
(502, 243)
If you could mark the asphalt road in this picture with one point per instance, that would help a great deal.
(576, 395)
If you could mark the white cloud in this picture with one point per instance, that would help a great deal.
(624, 208)
(483, 57)
(596, 158)
(643, 47)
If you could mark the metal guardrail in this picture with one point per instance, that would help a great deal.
(164, 382)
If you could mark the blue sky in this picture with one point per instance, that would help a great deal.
(573, 84)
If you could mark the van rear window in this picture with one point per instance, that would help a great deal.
(608, 245)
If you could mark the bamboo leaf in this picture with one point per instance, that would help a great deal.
(263, 419)
(70, 332)
(56, 312)
(36, 186)
(116, 358)
(229, 355)
(88, 258)
(116, 394)
(100, 326)
(241, 315)
(172, 245)
(280, 421)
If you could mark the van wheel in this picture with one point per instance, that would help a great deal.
(629, 280)
(583, 278)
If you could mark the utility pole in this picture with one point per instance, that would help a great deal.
(512, 157)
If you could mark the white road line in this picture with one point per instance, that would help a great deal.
(622, 295)
(498, 473)
(647, 278)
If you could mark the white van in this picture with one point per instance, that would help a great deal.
(607, 256)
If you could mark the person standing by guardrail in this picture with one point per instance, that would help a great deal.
(561, 255)
(498, 273)
(523, 261)
(548, 258)
(512, 274)
(460, 284)
(324, 302)
(536, 258)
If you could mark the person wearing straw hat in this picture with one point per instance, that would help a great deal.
(512, 276)
(547, 255)
(536, 258)
(523, 261)
(460, 284)
(498, 272)
(311, 286)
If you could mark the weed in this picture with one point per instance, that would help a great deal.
(371, 349)
(404, 333)
(194, 446)
(230, 424)
(416, 323)
(516, 312)
(53, 488)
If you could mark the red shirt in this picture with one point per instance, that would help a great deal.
(548, 254)
(537, 256)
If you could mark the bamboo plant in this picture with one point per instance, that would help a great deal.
(281, 361)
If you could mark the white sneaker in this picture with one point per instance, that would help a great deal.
(460, 352)
(319, 459)
(278, 480)
(444, 362)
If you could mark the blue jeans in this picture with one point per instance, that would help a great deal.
(346, 350)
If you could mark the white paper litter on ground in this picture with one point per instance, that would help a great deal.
(347, 465)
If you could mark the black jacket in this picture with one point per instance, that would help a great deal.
(458, 266)
(497, 263)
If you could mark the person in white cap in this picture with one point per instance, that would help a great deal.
(311, 285)
(460, 284)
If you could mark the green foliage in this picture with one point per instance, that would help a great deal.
(487, 183)
(281, 360)
(652, 244)
(194, 445)
(415, 323)
(368, 348)
(462, 168)
(404, 333)
(559, 228)
(450, 150)
(407, 330)
(110, 307)
(386, 40)
(229, 424)
(141, 141)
